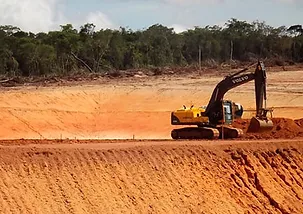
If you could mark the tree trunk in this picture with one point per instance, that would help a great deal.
(80, 60)
(231, 50)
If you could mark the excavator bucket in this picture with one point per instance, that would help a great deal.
(260, 125)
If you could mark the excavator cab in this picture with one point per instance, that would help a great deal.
(231, 111)
(228, 116)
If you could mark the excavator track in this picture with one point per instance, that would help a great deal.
(207, 133)
(230, 132)
(195, 133)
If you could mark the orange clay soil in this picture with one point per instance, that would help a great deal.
(129, 108)
(163, 176)
(153, 177)
(283, 128)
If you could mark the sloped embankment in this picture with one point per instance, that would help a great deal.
(242, 178)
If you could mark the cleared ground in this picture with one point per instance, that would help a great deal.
(133, 108)
(145, 176)
(152, 177)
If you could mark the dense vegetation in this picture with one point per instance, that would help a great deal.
(60, 52)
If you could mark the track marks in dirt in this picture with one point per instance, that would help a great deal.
(26, 124)
(154, 179)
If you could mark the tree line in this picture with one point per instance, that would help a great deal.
(68, 49)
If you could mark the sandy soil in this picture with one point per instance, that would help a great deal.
(51, 174)
(152, 177)
(137, 108)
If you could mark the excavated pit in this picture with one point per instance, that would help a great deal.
(163, 176)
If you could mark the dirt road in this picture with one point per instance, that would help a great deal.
(152, 177)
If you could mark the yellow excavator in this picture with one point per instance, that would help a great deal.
(215, 120)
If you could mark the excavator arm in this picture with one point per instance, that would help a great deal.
(260, 90)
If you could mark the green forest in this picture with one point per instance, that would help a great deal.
(68, 49)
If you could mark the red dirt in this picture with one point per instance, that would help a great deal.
(163, 176)
(174, 177)
(284, 128)
(299, 122)
(125, 109)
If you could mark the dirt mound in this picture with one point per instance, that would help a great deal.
(299, 122)
(153, 179)
(283, 128)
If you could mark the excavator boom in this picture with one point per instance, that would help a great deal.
(214, 107)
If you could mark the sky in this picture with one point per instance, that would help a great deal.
(45, 15)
